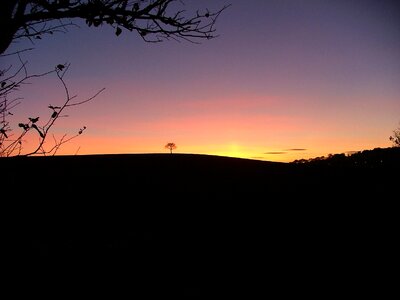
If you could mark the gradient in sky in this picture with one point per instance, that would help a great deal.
(286, 79)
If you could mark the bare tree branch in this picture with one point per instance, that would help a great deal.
(11, 144)
(151, 19)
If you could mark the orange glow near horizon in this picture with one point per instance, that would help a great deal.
(213, 141)
(251, 127)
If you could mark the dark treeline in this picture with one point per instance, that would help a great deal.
(376, 158)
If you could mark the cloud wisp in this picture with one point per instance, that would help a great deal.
(275, 152)
(285, 151)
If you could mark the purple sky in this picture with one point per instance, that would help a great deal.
(322, 76)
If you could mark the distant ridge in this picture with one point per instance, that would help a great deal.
(159, 155)
(201, 176)
(179, 223)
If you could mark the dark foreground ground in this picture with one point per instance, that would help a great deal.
(199, 226)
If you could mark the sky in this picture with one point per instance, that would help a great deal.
(285, 80)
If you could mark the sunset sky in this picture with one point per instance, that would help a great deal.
(286, 79)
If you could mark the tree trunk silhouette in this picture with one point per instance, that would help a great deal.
(7, 25)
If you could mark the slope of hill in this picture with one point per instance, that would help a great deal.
(191, 224)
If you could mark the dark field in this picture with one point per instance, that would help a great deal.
(197, 225)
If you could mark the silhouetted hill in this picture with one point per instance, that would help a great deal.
(187, 224)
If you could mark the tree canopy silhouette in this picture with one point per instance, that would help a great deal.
(395, 138)
(170, 146)
(153, 20)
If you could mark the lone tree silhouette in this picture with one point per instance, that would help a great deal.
(170, 146)
(153, 20)
(395, 138)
